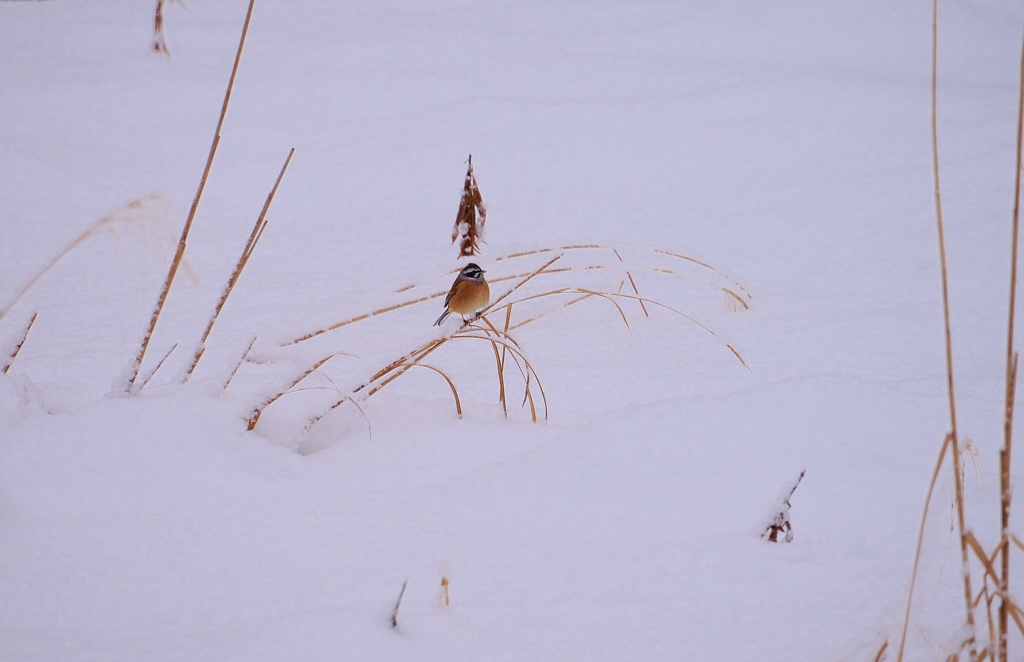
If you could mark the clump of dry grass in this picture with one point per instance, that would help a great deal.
(996, 573)
(471, 217)
(508, 353)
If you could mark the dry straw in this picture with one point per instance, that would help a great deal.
(996, 573)
(17, 347)
(133, 371)
(137, 211)
(250, 246)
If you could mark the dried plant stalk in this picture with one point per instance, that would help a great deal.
(958, 471)
(17, 348)
(141, 354)
(471, 217)
(920, 542)
(241, 360)
(250, 246)
(159, 43)
(1006, 488)
(149, 376)
(133, 210)
(254, 416)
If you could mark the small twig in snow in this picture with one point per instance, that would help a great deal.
(17, 348)
(779, 522)
(398, 604)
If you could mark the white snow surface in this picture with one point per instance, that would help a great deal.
(785, 143)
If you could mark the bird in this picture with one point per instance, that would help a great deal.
(469, 293)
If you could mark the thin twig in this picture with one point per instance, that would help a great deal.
(398, 604)
(250, 246)
(141, 354)
(238, 365)
(920, 542)
(152, 372)
(17, 348)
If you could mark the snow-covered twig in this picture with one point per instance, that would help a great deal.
(779, 521)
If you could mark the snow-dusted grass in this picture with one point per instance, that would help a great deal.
(786, 145)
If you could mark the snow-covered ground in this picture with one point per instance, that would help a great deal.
(787, 144)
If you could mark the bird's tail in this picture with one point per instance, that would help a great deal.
(443, 317)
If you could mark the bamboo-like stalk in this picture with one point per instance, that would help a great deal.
(965, 566)
(250, 246)
(17, 348)
(182, 242)
(1006, 489)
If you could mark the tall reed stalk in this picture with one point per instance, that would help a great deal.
(133, 373)
(1005, 487)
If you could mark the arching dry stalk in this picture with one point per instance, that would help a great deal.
(138, 210)
(471, 217)
(254, 416)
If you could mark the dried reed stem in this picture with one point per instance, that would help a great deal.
(254, 416)
(17, 348)
(238, 365)
(920, 542)
(250, 246)
(957, 464)
(145, 380)
(95, 228)
(1006, 489)
(141, 354)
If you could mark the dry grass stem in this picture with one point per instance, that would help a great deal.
(742, 299)
(471, 217)
(250, 246)
(398, 604)
(241, 360)
(182, 242)
(920, 542)
(134, 210)
(958, 471)
(149, 376)
(254, 416)
(17, 348)
(1006, 488)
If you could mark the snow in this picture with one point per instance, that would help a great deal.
(785, 144)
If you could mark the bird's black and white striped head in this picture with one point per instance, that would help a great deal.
(472, 271)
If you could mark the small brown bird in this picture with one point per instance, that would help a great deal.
(469, 293)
